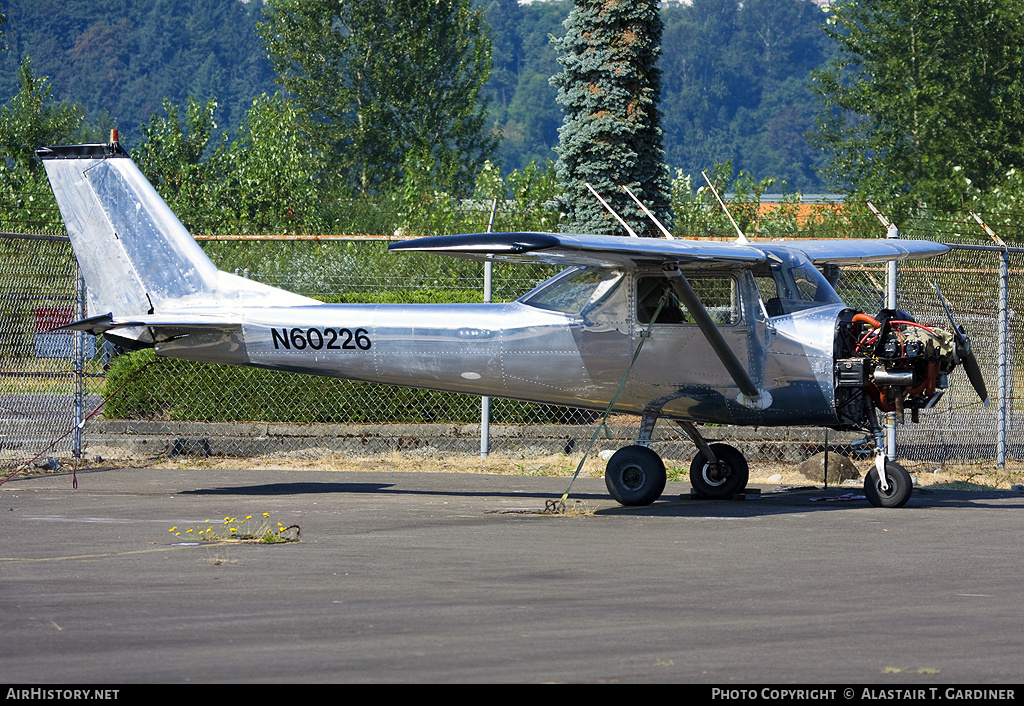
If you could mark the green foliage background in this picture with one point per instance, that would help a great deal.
(735, 77)
(190, 87)
(385, 89)
(925, 101)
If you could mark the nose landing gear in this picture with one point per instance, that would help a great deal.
(896, 489)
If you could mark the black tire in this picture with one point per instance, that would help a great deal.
(635, 475)
(725, 480)
(901, 487)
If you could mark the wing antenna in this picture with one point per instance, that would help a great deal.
(604, 203)
(991, 233)
(649, 214)
(891, 231)
(742, 238)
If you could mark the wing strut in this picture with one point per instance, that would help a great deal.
(750, 396)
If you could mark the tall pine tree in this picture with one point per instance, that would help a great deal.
(611, 133)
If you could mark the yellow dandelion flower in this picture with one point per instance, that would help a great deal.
(188, 531)
(266, 514)
(172, 529)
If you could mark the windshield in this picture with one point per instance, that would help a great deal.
(789, 283)
(573, 290)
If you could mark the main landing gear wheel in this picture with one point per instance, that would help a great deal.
(898, 480)
(635, 475)
(722, 480)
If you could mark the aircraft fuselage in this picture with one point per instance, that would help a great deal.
(526, 351)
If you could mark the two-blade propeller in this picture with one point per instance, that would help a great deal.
(964, 353)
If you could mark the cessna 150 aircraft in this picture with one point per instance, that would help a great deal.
(709, 332)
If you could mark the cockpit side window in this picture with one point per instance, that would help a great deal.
(717, 293)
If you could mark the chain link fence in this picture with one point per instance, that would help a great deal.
(51, 382)
(46, 378)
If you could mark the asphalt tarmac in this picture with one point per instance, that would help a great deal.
(457, 578)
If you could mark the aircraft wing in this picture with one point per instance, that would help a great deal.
(617, 251)
(594, 250)
(861, 250)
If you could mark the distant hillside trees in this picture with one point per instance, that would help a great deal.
(736, 87)
(735, 75)
(611, 135)
(122, 59)
(523, 108)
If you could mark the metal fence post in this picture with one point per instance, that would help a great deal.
(1004, 330)
(79, 362)
(485, 402)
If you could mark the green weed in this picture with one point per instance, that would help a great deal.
(249, 529)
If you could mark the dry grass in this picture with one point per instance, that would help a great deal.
(979, 475)
(974, 475)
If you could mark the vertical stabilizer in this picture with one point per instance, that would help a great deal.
(134, 252)
(135, 255)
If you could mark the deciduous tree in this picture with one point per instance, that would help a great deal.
(33, 119)
(924, 94)
(375, 82)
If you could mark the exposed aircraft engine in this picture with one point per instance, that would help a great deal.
(892, 363)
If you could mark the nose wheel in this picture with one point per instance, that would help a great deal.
(896, 490)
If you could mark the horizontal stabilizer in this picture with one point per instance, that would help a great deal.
(106, 322)
(94, 325)
(178, 322)
(160, 328)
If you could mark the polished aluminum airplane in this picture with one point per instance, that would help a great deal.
(709, 332)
